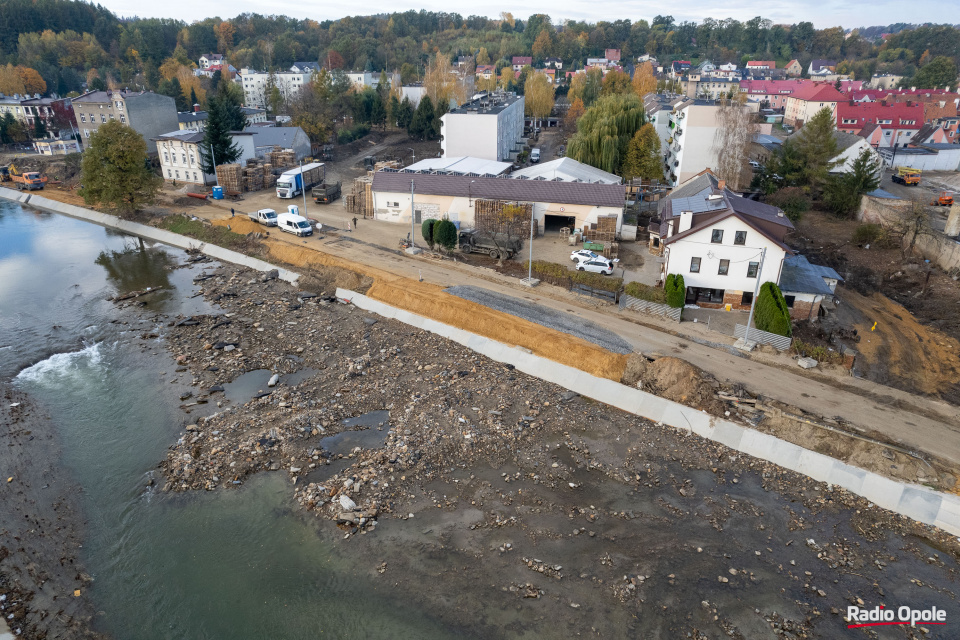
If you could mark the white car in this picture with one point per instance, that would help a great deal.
(585, 254)
(596, 266)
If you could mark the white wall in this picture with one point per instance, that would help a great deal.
(698, 244)
(181, 161)
(944, 160)
(491, 136)
(846, 159)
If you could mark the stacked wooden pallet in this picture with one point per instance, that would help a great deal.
(603, 230)
(360, 199)
(253, 175)
(230, 177)
(281, 158)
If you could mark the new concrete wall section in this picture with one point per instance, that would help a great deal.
(914, 501)
(144, 231)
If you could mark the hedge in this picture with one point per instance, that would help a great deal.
(675, 290)
(597, 281)
(772, 313)
(646, 292)
(445, 234)
(544, 268)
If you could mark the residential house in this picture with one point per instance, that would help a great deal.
(693, 85)
(305, 67)
(464, 61)
(455, 194)
(770, 94)
(56, 113)
(553, 63)
(794, 69)
(808, 99)
(56, 147)
(254, 115)
(257, 85)
(179, 154)
(689, 144)
(519, 62)
(706, 68)
(821, 67)
(489, 126)
(601, 63)
(11, 105)
(486, 71)
(764, 147)
(929, 134)
(613, 55)
(885, 81)
(761, 64)
(208, 59)
(896, 122)
(149, 114)
(364, 79)
(196, 120)
(550, 73)
(679, 67)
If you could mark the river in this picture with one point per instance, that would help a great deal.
(237, 564)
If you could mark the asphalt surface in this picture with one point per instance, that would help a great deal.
(544, 316)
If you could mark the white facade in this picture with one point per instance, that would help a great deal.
(490, 127)
(413, 93)
(844, 161)
(689, 147)
(256, 85)
(364, 79)
(681, 253)
(180, 158)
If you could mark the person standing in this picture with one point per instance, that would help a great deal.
(231, 212)
(354, 222)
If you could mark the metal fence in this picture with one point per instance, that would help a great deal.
(652, 308)
(779, 342)
(587, 290)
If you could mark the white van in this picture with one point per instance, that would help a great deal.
(292, 223)
(266, 217)
(535, 155)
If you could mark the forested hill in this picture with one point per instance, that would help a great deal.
(70, 43)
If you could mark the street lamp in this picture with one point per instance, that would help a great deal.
(414, 161)
(756, 293)
(470, 193)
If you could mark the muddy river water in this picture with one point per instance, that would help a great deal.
(679, 551)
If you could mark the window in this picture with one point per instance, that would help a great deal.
(790, 300)
(752, 269)
(717, 236)
(724, 268)
(103, 117)
(747, 298)
(184, 158)
(123, 118)
(111, 116)
(83, 117)
(740, 238)
(86, 133)
(195, 177)
(694, 265)
(169, 173)
(166, 158)
(178, 175)
(119, 105)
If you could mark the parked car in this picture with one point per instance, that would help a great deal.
(754, 165)
(585, 254)
(295, 224)
(596, 266)
(535, 155)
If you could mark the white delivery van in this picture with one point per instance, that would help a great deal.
(266, 217)
(535, 155)
(292, 223)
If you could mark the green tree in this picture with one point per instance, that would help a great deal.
(408, 73)
(193, 98)
(843, 193)
(941, 71)
(817, 147)
(771, 313)
(404, 114)
(445, 234)
(676, 290)
(643, 155)
(427, 230)
(792, 200)
(422, 126)
(115, 172)
(393, 110)
(378, 113)
(173, 89)
(217, 147)
(605, 130)
(39, 129)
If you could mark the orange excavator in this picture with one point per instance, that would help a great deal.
(945, 199)
(30, 181)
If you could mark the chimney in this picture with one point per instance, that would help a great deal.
(670, 224)
(686, 221)
(721, 185)
(196, 108)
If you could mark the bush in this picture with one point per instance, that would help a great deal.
(445, 234)
(646, 292)
(597, 281)
(349, 134)
(544, 268)
(772, 313)
(675, 290)
(868, 233)
(427, 230)
(792, 200)
(841, 197)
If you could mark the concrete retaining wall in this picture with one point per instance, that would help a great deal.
(144, 231)
(914, 501)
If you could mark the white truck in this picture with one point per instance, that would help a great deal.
(295, 181)
(293, 222)
(266, 217)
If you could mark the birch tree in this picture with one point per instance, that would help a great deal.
(735, 130)
(538, 96)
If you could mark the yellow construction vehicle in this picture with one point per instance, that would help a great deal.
(30, 181)
(907, 176)
(945, 199)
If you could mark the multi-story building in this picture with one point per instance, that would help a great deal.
(179, 153)
(257, 85)
(884, 123)
(11, 105)
(54, 112)
(488, 127)
(808, 99)
(364, 79)
(695, 85)
(209, 59)
(149, 114)
(196, 120)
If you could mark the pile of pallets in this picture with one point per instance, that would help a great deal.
(603, 230)
(253, 175)
(508, 218)
(360, 199)
(281, 158)
(230, 177)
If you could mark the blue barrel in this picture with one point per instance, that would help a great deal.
(456, 223)
(218, 193)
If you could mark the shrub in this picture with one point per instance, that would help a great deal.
(349, 134)
(544, 268)
(427, 230)
(675, 290)
(646, 292)
(597, 281)
(445, 234)
(772, 313)
(868, 233)
(792, 200)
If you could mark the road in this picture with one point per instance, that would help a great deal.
(916, 422)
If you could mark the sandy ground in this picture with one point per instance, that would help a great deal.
(42, 585)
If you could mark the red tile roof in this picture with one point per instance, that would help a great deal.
(818, 92)
(771, 64)
(871, 112)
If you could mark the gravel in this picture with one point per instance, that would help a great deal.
(544, 316)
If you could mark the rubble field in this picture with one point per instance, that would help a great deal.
(508, 505)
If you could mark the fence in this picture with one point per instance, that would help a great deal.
(782, 343)
(652, 308)
(587, 290)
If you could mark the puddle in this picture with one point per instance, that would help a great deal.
(374, 436)
(245, 387)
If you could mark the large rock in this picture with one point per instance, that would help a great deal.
(347, 503)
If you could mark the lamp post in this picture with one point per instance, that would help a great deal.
(470, 193)
(414, 153)
(412, 217)
(530, 260)
(756, 294)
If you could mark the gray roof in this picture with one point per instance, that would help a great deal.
(844, 140)
(184, 135)
(488, 104)
(799, 276)
(568, 170)
(249, 111)
(696, 204)
(191, 116)
(691, 187)
(271, 136)
(502, 188)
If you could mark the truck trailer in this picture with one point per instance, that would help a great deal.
(294, 182)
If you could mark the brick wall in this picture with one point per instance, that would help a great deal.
(803, 310)
(734, 299)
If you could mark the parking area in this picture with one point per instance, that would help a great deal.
(636, 263)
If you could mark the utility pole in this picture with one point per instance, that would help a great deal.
(530, 261)
(756, 294)
(303, 188)
(412, 217)
(414, 161)
(213, 159)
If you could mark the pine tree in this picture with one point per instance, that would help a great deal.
(393, 110)
(378, 113)
(39, 129)
(817, 147)
(422, 123)
(217, 147)
(193, 98)
(404, 114)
